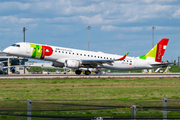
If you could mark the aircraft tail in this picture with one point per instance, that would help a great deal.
(157, 52)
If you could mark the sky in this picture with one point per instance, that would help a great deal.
(117, 26)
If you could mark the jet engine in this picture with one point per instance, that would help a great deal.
(73, 63)
(57, 64)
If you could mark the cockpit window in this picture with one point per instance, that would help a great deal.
(15, 45)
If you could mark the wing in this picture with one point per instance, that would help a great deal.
(77, 63)
(94, 63)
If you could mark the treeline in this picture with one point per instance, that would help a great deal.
(40, 69)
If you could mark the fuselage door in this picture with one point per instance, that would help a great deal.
(28, 48)
(135, 62)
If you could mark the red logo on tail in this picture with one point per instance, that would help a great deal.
(161, 49)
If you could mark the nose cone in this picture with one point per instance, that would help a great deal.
(7, 50)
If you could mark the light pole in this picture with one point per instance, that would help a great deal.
(88, 35)
(153, 28)
(24, 29)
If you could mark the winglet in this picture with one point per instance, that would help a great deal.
(123, 56)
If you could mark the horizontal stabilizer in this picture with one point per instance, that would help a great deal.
(161, 64)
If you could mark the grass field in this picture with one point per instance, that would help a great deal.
(98, 92)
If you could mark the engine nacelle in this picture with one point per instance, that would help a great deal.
(57, 64)
(73, 63)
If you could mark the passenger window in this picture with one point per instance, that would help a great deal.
(77, 54)
(59, 51)
(95, 56)
(88, 55)
(69, 53)
(91, 55)
(81, 54)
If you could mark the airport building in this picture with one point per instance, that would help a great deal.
(12, 64)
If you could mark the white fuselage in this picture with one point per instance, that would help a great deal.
(60, 54)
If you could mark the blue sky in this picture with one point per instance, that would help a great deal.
(118, 26)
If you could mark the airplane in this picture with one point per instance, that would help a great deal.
(75, 59)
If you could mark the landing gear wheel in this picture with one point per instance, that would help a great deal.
(87, 72)
(78, 72)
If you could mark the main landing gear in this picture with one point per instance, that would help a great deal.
(78, 72)
(86, 72)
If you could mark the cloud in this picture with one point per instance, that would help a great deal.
(162, 28)
(176, 13)
(135, 13)
(158, 1)
(109, 28)
(5, 29)
(94, 11)
(8, 6)
(14, 19)
(137, 29)
(62, 19)
(113, 28)
(97, 19)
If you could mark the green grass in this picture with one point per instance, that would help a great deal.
(101, 91)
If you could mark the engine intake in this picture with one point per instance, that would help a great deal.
(73, 63)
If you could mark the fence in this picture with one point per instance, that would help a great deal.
(54, 109)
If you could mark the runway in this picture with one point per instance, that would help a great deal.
(108, 75)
